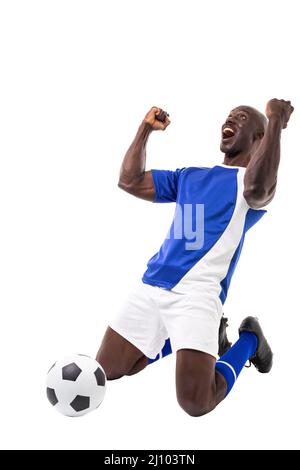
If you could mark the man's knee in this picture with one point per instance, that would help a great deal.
(141, 363)
(194, 408)
(114, 375)
(116, 355)
(195, 382)
(112, 371)
(194, 400)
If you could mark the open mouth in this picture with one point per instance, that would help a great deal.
(228, 132)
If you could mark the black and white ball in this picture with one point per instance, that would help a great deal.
(76, 385)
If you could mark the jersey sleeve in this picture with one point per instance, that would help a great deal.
(165, 185)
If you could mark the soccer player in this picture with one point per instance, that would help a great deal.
(178, 303)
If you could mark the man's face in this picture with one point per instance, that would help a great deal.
(239, 131)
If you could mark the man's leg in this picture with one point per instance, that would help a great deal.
(119, 357)
(123, 358)
(202, 383)
(199, 387)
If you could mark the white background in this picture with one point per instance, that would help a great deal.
(77, 78)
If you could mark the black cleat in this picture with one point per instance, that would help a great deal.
(224, 344)
(263, 357)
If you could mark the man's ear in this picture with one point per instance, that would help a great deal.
(259, 135)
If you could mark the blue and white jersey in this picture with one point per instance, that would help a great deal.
(210, 206)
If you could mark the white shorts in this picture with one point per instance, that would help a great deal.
(150, 315)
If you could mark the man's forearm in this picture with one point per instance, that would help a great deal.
(261, 174)
(133, 165)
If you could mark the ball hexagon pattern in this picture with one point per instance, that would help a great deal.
(71, 372)
(76, 385)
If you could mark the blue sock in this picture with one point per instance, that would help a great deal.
(233, 361)
(166, 350)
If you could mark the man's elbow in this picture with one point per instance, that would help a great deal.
(120, 184)
(128, 187)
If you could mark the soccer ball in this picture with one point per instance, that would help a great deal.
(76, 385)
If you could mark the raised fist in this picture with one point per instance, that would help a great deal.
(157, 118)
(280, 108)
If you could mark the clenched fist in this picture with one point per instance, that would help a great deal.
(157, 118)
(280, 108)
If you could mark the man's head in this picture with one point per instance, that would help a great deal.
(242, 131)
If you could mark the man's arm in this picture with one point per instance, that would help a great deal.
(261, 174)
(133, 177)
